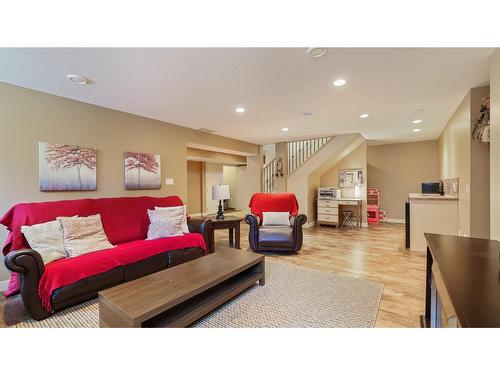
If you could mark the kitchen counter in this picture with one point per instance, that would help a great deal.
(430, 213)
(418, 196)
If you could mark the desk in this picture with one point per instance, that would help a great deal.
(351, 205)
(331, 211)
(462, 282)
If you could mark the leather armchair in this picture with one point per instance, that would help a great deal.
(274, 237)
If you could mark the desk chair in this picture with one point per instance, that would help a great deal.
(347, 219)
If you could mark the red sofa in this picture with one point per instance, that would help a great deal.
(69, 281)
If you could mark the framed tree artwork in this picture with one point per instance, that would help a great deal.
(65, 167)
(142, 171)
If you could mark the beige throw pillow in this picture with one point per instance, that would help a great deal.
(163, 224)
(46, 239)
(177, 211)
(276, 218)
(82, 235)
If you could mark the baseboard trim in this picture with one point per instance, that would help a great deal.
(3, 285)
(196, 215)
(395, 221)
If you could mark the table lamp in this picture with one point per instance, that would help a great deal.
(220, 192)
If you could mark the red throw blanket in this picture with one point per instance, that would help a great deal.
(124, 219)
(67, 271)
(264, 202)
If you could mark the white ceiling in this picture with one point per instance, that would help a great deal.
(200, 87)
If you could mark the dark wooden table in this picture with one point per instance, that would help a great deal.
(463, 273)
(178, 296)
(229, 222)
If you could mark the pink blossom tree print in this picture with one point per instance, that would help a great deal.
(66, 167)
(142, 171)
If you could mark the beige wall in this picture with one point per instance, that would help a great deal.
(249, 179)
(495, 146)
(229, 176)
(355, 160)
(479, 174)
(27, 117)
(281, 151)
(195, 187)
(215, 157)
(268, 152)
(460, 156)
(454, 158)
(399, 169)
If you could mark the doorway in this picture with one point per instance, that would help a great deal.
(213, 176)
(229, 177)
(195, 187)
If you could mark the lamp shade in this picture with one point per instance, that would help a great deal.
(220, 192)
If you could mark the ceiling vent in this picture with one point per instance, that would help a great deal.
(206, 130)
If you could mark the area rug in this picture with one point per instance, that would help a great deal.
(292, 297)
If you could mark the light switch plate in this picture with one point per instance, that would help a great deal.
(169, 181)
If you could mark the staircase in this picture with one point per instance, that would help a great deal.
(270, 175)
(300, 151)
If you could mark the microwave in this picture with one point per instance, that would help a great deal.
(433, 187)
(327, 193)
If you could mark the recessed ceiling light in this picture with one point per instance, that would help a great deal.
(339, 82)
(79, 80)
(417, 121)
(316, 51)
(416, 130)
(307, 114)
(240, 109)
(364, 115)
(284, 129)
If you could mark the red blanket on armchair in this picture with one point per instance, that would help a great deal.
(267, 202)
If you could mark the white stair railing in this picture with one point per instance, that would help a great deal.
(300, 151)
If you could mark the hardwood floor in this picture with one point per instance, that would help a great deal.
(376, 253)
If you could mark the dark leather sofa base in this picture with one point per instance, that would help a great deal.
(88, 288)
(145, 267)
(85, 289)
(177, 257)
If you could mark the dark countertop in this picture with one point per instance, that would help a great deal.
(470, 269)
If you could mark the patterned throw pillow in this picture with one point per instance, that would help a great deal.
(82, 235)
(163, 224)
(177, 211)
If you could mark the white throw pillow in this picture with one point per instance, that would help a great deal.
(46, 239)
(82, 235)
(276, 218)
(163, 224)
(177, 209)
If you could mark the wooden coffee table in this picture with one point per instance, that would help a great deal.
(178, 296)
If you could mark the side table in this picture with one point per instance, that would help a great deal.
(229, 222)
